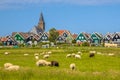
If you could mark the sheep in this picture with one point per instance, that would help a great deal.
(6, 53)
(110, 45)
(111, 54)
(41, 62)
(54, 63)
(46, 56)
(26, 54)
(36, 54)
(6, 65)
(72, 66)
(73, 54)
(77, 56)
(48, 63)
(68, 55)
(36, 57)
(92, 55)
(13, 68)
(49, 52)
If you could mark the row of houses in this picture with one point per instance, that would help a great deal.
(64, 37)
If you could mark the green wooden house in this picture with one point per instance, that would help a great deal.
(96, 38)
(18, 37)
(83, 37)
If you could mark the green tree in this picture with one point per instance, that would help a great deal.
(53, 34)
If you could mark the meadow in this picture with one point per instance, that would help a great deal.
(100, 67)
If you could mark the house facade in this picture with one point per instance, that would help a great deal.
(96, 38)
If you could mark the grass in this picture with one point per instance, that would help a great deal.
(100, 67)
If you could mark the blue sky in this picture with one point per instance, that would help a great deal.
(74, 15)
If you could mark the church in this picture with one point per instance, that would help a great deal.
(40, 28)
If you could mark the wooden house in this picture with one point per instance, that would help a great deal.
(64, 36)
(44, 37)
(96, 38)
(8, 41)
(107, 38)
(116, 38)
(83, 37)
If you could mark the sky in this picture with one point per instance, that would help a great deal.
(74, 15)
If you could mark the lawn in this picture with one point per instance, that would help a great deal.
(100, 67)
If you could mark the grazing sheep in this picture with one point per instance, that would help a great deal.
(6, 65)
(49, 52)
(36, 54)
(73, 54)
(6, 53)
(77, 56)
(13, 68)
(46, 56)
(26, 54)
(80, 53)
(36, 57)
(111, 54)
(72, 66)
(93, 52)
(92, 55)
(54, 63)
(48, 63)
(68, 55)
(41, 62)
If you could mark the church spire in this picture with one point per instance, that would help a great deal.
(41, 24)
(41, 17)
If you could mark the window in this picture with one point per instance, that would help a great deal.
(18, 37)
(82, 37)
(79, 37)
(43, 38)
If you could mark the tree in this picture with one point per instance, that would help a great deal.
(53, 34)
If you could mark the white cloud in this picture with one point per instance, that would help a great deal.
(9, 3)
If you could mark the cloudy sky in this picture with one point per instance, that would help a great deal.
(74, 15)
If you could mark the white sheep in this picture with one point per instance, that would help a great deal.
(41, 62)
(46, 56)
(77, 56)
(6, 53)
(49, 52)
(6, 65)
(13, 67)
(68, 55)
(26, 54)
(73, 54)
(111, 54)
(48, 63)
(36, 57)
(72, 66)
(36, 54)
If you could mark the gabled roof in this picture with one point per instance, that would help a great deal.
(63, 31)
(22, 34)
(74, 36)
(45, 34)
(4, 39)
(86, 35)
(99, 36)
(108, 36)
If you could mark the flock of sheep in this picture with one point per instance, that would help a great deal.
(44, 62)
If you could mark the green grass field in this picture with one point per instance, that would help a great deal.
(100, 67)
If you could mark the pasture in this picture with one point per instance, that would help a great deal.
(100, 67)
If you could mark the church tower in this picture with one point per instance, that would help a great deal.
(41, 24)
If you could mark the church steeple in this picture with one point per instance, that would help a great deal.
(41, 24)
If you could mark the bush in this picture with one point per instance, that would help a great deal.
(85, 44)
